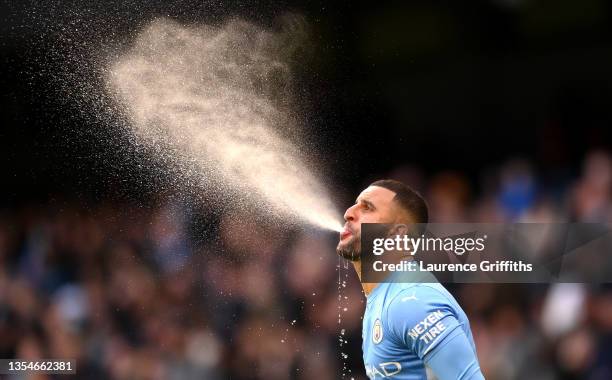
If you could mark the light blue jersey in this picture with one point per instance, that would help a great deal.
(408, 326)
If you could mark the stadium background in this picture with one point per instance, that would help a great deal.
(495, 110)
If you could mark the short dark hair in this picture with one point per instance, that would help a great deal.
(408, 199)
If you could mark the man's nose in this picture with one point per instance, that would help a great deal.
(350, 215)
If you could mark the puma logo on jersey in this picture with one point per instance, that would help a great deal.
(410, 298)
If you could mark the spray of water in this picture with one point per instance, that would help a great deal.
(343, 302)
(212, 102)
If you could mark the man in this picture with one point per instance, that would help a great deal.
(406, 326)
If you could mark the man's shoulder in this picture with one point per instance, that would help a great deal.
(427, 292)
(414, 302)
(414, 314)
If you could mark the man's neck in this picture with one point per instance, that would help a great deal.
(367, 286)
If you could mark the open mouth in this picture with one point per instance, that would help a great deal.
(345, 233)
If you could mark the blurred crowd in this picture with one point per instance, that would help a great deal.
(132, 291)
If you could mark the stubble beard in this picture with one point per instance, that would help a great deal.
(351, 250)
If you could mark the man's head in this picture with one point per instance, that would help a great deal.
(384, 201)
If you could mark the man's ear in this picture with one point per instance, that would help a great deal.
(399, 229)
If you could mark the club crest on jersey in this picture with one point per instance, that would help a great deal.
(377, 332)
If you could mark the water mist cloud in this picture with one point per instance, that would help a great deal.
(211, 101)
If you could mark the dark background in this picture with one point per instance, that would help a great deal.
(442, 84)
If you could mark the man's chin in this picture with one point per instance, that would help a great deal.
(348, 251)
